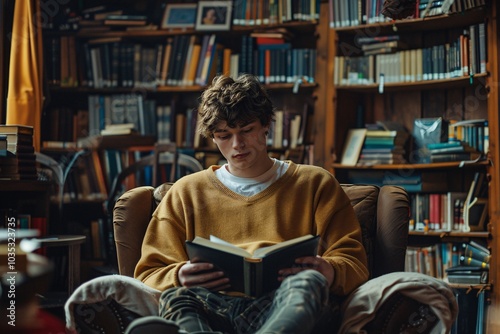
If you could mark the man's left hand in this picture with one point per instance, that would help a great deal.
(310, 262)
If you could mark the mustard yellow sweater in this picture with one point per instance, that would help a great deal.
(305, 200)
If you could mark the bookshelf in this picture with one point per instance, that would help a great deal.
(89, 80)
(364, 99)
(111, 75)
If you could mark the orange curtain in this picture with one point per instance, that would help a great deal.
(24, 97)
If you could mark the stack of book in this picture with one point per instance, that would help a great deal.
(473, 267)
(451, 151)
(381, 44)
(119, 129)
(383, 147)
(19, 161)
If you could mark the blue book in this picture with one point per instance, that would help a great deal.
(284, 46)
(432, 146)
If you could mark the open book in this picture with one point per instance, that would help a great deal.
(252, 274)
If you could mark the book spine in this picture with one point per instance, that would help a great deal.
(249, 278)
(475, 253)
(469, 261)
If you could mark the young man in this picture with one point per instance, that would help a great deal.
(251, 201)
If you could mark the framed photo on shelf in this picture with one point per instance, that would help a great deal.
(352, 148)
(179, 15)
(214, 15)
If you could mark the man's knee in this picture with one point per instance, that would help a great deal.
(308, 283)
(308, 279)
(182, 297)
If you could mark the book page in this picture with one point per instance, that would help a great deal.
(213, 238)
(224, 246)
(261, 252)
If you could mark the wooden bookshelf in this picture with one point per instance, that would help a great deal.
(70, 98)
(406, 101)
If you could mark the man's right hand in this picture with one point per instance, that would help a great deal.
(203, 274)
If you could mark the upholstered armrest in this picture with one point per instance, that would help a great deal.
(400, 301)
(131, 216)
(109, 303)
(391, 239)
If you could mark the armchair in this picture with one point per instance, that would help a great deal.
(391, 301)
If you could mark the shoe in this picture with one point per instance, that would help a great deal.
(152, 325)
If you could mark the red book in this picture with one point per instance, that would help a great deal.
(269, 40)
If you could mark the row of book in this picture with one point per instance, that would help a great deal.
(473, 133)
(468, 141)
(23, 221)
(93, 173)
(441, 140)
(409, 179)
(463, 56)
(121, 114)
(17, 154)
(105, 110)
(263, 12)
(345, 13)
(466, 263)
(463, 265)
(427, 8)
(452, 211)
(471, 317)
(183, 60)
(244, 13)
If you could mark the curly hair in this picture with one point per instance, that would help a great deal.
(236, 101)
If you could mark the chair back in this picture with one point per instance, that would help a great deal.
(383, 213)
(184, 165)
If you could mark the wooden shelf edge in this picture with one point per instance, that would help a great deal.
(479, 287)
(166, 89)
(24, 185)
(115, 142)
(441, 165)
(423, 84)
(444, 234)
(443, 21)
(152, 33)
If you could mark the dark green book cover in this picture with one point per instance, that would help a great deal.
(254, 274)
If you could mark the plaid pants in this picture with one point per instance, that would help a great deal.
(300, 305)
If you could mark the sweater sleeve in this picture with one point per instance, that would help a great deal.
(342, 244)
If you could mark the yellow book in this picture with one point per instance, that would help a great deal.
(226, 62)
(194, 64)
(166, 59)
(188, 63)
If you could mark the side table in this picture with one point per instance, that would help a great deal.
(73, 242)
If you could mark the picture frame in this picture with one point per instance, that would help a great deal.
(352, 148)
(214, 15)
(179, 15)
